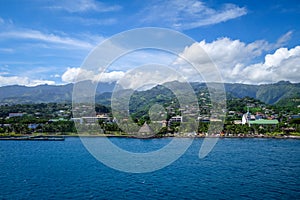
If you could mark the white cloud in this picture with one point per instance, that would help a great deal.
(228, 55)
(49, 38)
(13, 80)
(18, 80)
(224, 51)
(33, 83)
(188, 14)
(283, 39)
(4, 73)
(6, 50)
(72, 74)
(91, 21)
(284, 64)
(4, 23)
(83, 6)
(55, 76)
(77, 74)
(147, 76)
(109, 76)
(235, 61)
(32, 38)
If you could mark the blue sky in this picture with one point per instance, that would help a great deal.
(45, 42)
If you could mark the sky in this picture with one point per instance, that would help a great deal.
(46, 42)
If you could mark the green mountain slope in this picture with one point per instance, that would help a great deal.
(280, 92)
(43, 93)
(268, 93)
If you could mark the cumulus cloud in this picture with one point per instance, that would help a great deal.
(283, 64)
(147, 76)
(224, 51)
(13, 80)
(18, 80)
(235, 60)
(228, 55)
(33, 83)
(137, 78)
(73, 74)
(110, 76)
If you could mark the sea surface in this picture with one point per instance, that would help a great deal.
(234, 169)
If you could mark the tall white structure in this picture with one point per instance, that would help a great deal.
(246, 117)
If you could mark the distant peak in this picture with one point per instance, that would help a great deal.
(283, 83)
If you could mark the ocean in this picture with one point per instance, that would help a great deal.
(235, 169)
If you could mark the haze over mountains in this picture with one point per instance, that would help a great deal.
(276, 93)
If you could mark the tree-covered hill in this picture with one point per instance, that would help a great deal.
(17, 94)
(281, 92)
(268, 93)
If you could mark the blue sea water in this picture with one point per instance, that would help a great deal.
(235, 169)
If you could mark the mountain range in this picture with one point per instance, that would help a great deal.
(276, 93)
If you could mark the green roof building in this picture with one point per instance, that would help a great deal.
(264, 122)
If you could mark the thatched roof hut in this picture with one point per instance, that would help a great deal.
(145, 130)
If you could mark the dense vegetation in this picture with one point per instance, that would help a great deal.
(274, 101)
(54, 118)
(269, 93)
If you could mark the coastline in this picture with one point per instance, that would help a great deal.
(55, 137)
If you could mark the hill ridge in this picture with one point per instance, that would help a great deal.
(267, 93)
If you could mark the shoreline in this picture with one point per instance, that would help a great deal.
(220, 137)
(54, 137)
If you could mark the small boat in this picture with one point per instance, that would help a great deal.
(47, 138)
